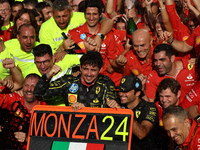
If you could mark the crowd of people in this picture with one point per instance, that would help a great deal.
(78, 53)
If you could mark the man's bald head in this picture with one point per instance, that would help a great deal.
(141, 33)
(142, 43)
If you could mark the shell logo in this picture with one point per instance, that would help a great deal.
(135, 72)
(198, 40)
(72, 98)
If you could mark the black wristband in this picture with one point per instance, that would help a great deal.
(170, 41)
(44, 78)
(197, 117)
(101, 36)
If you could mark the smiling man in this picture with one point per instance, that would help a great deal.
(21, 47)
(44, 61)
(63, 20)
(145, 121)
(5, 12)
(139, 60)
(185, 132)
(46, 9)
(167, 66)
(28, 101)
(87, 90)
(169, 91)
(89, 30)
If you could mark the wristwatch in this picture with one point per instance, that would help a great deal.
(101, 35)
(197, 118)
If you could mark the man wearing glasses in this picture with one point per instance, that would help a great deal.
(5, 12)
(44, 61)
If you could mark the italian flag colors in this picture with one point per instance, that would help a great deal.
(60, 145)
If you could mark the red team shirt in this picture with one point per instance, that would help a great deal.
(5, 35)
(108, 47)
(119, 37)
(193, 97)
(6, 100)
(194, 40)
(135, 65)
(181, 32)
(160, 111)
(192, 142)
(186, 78)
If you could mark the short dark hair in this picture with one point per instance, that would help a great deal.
(61, 5)
(25, 25)
(169, 51)
(122, 20)
(92, 58)
(31, 3)
(37, 12)
(170, 83)
(4, 1)
(42, 50)
(32, 75)
(178, 111)
(40, 6)
(81, 6)
(16, 3)
(93, 3)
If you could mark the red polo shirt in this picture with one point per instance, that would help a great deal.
(192, 142)
(160, 111)
(194, 40)
(193, 97)
(137, 66)
(108, 47)
(5, 35)
(6, 100)
(181, 32)
(186, 78)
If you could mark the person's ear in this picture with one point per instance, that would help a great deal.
(172, 58)
(179, 93)
(138, 93)
(187, 123)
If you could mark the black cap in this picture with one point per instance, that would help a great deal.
(129, 83)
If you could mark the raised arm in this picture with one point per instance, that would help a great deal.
(106, 26)
(109, 9)
(118, 5)
(196, 4)
(180, 46)
(193, 9)
(16, 74)
(150, 16)
(165, 17)
(47, 89)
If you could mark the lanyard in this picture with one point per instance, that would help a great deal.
(191, 138)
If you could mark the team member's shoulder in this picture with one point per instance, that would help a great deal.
(104, 79)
